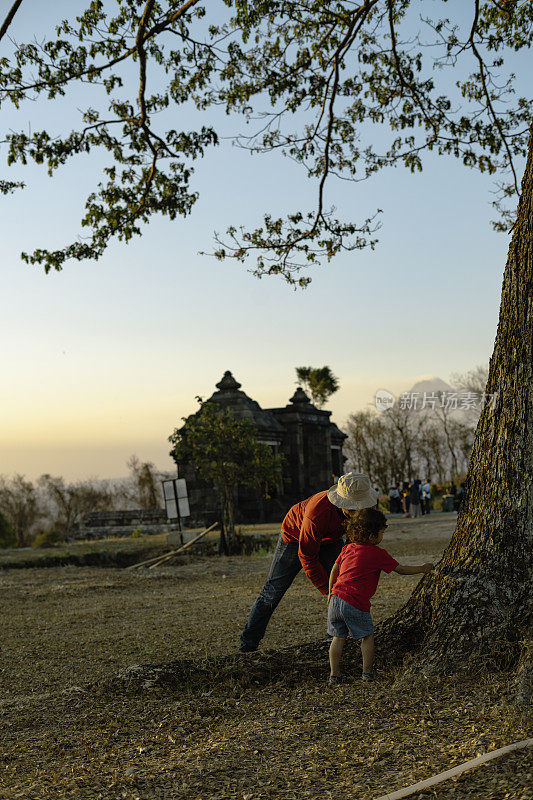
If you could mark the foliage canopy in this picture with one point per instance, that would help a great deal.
(313, 78)
(320, 382)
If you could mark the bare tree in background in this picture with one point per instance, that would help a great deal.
(443, 416)
(67, 502)
(19, 503)
(474, 380)
(374, 447)
(432, 448)
(408, 426)
(144, 487)
(433, 440)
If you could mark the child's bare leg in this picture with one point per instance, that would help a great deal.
(335, 652)
(367, 650)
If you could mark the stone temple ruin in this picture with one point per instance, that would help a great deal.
(310, 443)
(304, 434)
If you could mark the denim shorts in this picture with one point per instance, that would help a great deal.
(344, 618)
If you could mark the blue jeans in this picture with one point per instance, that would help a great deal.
(284, 568)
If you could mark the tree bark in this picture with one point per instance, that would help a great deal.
(227, 513)
(473, 608)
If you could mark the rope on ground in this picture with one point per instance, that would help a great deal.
(442, 776)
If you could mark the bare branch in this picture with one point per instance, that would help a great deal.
(139, 44)
(8, 20)
(407, 85)
(488, 99)
(353, 29)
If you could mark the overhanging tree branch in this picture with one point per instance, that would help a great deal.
(314, 76)
(490, 106)
(8, 20)
(95, 70)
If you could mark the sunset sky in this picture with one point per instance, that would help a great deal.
(103, 359)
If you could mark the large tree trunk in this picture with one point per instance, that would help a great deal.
(473, 608)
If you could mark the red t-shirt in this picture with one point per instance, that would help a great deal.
(311, 523)
(358, 576)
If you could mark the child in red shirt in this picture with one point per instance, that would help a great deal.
(353, 581)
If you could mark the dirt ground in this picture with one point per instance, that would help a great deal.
(66, 734)
(69, 624)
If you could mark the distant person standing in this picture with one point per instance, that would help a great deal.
(405, 499)
(394, 500)
(414, 500)
(426, 496)
(399, 506)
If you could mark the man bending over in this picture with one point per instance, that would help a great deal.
(311, 537)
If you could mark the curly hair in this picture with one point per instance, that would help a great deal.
(365, 524)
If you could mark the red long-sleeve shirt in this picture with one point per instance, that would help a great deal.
(311, 523)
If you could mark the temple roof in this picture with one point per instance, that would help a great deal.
(337, 436)
(228, 382)
(230, 396)
(300, 397)
(241, 406)
(301, 406)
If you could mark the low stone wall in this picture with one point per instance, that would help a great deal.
(118, 531)
(109, 524)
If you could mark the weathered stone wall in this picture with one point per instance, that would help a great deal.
(301, 432)
(105, 524)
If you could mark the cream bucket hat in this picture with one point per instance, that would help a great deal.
(353, 492)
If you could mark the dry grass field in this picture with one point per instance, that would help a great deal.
(76, 723)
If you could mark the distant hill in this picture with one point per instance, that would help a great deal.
(436, 385)
(431, 384)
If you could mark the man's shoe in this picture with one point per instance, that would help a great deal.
(247, 648)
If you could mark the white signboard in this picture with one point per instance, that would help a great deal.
(176, 498)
